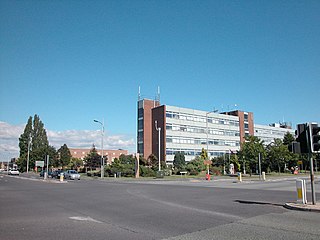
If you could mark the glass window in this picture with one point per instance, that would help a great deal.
(140, 112)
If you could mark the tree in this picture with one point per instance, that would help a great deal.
(288, 138)
(154, 162)
(204, 154)
(35, 133)
(93, 159)
(179, 161)
(39, 136)
(250, 150)
(195, 166)
(24, 140)
(25, 137)
(64, 156)
(278, 154)
(53, 155)
(75, 163)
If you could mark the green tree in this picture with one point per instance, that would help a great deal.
(249, 152)
(179, 161)
(278, 155)
(195, 166)
(64, 156)
(75, 163)
(53, 155)
(204, 154)
(35, 133)
(39, 136)
(288, 138)
(154, 163)
(93, 159)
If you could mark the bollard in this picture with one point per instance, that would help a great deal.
(208, 177)
(263, 176)
(301, 191)
(239, 177)
(45, 176)
(115, 175)
(61, 177)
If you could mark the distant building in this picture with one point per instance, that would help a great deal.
(269, 133)
(110, 154)
(189, 130)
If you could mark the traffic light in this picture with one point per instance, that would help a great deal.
(315, 137)
(301, 137)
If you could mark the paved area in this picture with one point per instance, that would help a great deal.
(303, 207)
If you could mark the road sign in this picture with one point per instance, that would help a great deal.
(39, 163)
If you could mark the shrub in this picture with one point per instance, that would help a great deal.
(146, 172)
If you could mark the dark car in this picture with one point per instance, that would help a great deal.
(43, 171)
(57, 173)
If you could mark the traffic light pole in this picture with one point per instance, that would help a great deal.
(309, 136)
(312, 180)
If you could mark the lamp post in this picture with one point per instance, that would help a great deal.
(159, 133)
(102, 134)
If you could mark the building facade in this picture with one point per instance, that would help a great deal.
(164, 130)
(110, 154)
(269, 133)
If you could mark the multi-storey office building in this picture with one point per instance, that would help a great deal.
(269, 133)
(188, 130)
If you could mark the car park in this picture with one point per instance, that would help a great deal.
(72, 174)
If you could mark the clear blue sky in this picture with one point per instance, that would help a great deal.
(73, 61)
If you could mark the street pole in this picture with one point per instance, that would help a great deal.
(309, 136)
(102, 159)
(224, 164)
(260, 166)
(159, 133)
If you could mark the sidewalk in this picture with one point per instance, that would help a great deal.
(303, 207)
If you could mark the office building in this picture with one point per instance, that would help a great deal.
(178, 129)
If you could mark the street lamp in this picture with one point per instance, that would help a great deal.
(159, 131)
(102, 134)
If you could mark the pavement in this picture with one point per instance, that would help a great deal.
(303, 207)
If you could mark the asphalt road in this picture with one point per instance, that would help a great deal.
(95, 209)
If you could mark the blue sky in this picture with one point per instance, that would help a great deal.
(74, 61)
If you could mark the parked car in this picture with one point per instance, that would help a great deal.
(13, 172)
(72, 174)
(43, 171)
(57, 173)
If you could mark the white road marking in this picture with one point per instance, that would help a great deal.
(79, 218)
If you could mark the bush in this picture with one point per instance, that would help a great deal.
(146, 172)
(216, 170)
(93, 173)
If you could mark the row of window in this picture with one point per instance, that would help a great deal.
(193, 152)
(269, 132)
(199, 141)
(191, 129)
(194, 118)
